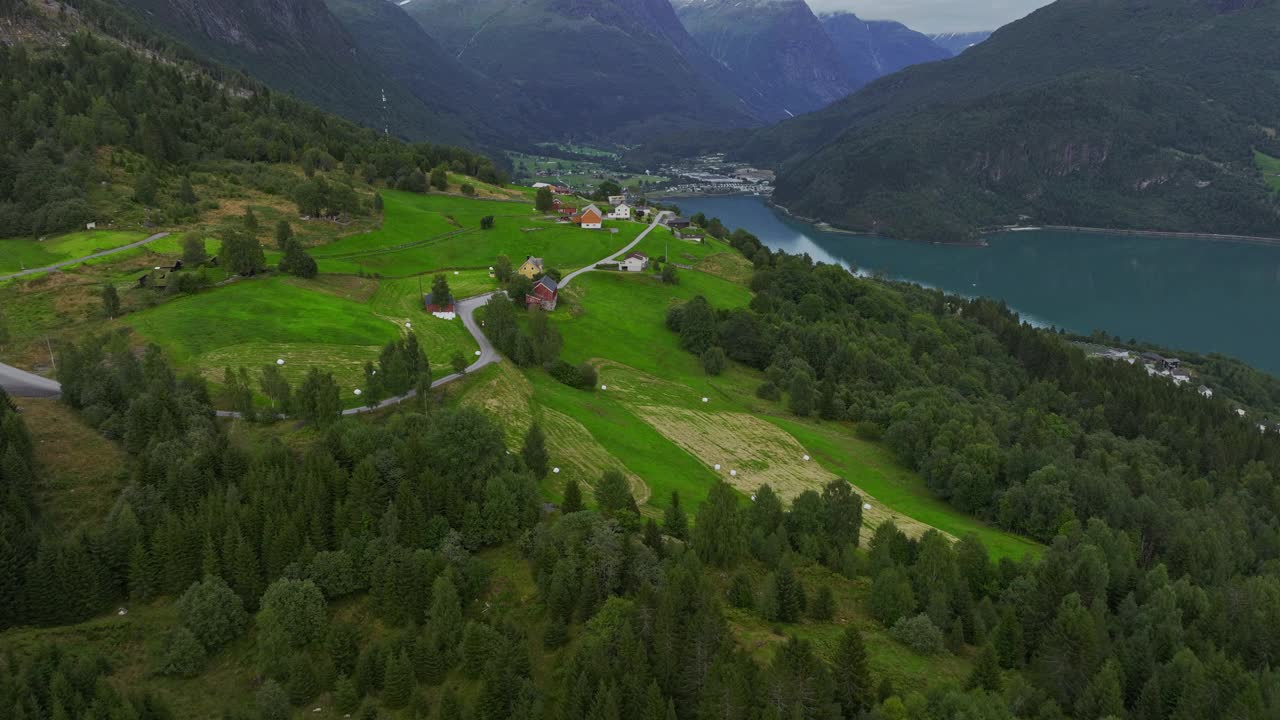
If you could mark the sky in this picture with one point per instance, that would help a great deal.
(935, 16)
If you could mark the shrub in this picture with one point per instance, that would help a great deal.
(768, 391)
(868, 430)
(582, 376)
(918, 633)
(713, 361)
(181, 654)
(212, 612)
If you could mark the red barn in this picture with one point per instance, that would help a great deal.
(545, 294)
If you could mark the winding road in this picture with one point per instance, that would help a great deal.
(77, 261)
(20, 383)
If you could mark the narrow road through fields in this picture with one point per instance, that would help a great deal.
(77, 261)
(657, 220)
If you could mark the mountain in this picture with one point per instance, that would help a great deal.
(957, 42)
(775, 49)
(616, 69)
(302, 47)
(1108, 113)
(875, 48)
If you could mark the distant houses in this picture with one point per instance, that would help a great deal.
(531, 268)
(160, 276)
(545, 294)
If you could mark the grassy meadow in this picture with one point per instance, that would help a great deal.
(17, 254)
(1270, 168)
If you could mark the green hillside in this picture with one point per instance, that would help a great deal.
(1104, 114)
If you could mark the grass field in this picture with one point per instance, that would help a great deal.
(421, 233)
(17, 254)
(335, 324)
(1270, 168)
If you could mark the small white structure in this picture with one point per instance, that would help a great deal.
(1206, 391)
(866, 506)
(1240, 412)
(540, 185)
(635, 262)
(621, 212)
(91, 226)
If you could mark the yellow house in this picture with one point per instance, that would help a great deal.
(531, 268)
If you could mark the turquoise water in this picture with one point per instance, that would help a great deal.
(1182, 293)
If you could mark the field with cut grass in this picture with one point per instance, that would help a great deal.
(421, 233)
(17, 254)
(1270, 168)
(335, 324)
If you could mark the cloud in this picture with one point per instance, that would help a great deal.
(936, 15)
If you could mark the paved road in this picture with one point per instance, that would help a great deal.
(21, 383)
(657, 219)
(77, 261)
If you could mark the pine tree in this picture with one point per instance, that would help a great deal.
(1009, 640)
(284, 235)
(110, 301)
(674, 522)
(345, 696)
(397, 684)
(534, 451)
(824, 605)
(718, 537)
(572, 498)
(854, 686)
(784, 595)
(986, 670)
(250, 221)
(613, 494)
(1104, 697)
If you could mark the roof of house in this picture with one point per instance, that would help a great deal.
(638, 256)
(535, 261)
(548, 282)
(591, 208)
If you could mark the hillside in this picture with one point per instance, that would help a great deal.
(774, 49)
(957, 42)
(1109, 114)
(873, 49)
(617, 69)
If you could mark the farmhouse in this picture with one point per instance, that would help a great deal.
(531, 268)
(159, 277)
(590, 218)
(635, 262)
(443, 308)
(545, 294)
(688, 234)
(677, 222)
(621, 212)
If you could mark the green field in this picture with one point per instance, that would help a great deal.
(1270, 168)
(252, 323)
(17, 254)
(421, 233)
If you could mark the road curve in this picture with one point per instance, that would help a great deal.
(77, 261)
(657, 219)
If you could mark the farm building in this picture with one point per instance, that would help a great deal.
(531, 268)
(590, 218)
(693, 234)
(443, 308)
(545, 294)
(621, 212)
(617, 199)
(635, 262)
(159, 277)
(677, 222)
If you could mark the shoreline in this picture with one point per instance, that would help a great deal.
(981, 242)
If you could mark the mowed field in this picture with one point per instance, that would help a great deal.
(335, 324)
(17, 254)
(421, 233)
(667, 425)
(1270, 168)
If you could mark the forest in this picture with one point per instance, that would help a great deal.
(95, 114)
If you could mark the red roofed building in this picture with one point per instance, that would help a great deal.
(590, 219)
(545, 294)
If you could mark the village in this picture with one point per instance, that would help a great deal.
(1170, 368)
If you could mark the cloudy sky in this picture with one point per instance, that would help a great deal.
(936, 15)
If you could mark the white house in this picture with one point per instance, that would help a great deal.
(540, 185)
(621, 212)
(635, 262)
(91, 226)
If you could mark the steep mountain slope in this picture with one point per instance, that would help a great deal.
(301, 47)
(774, 48)
(873, 49)
(621, 69)
(957, 42)
(1113, 113)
